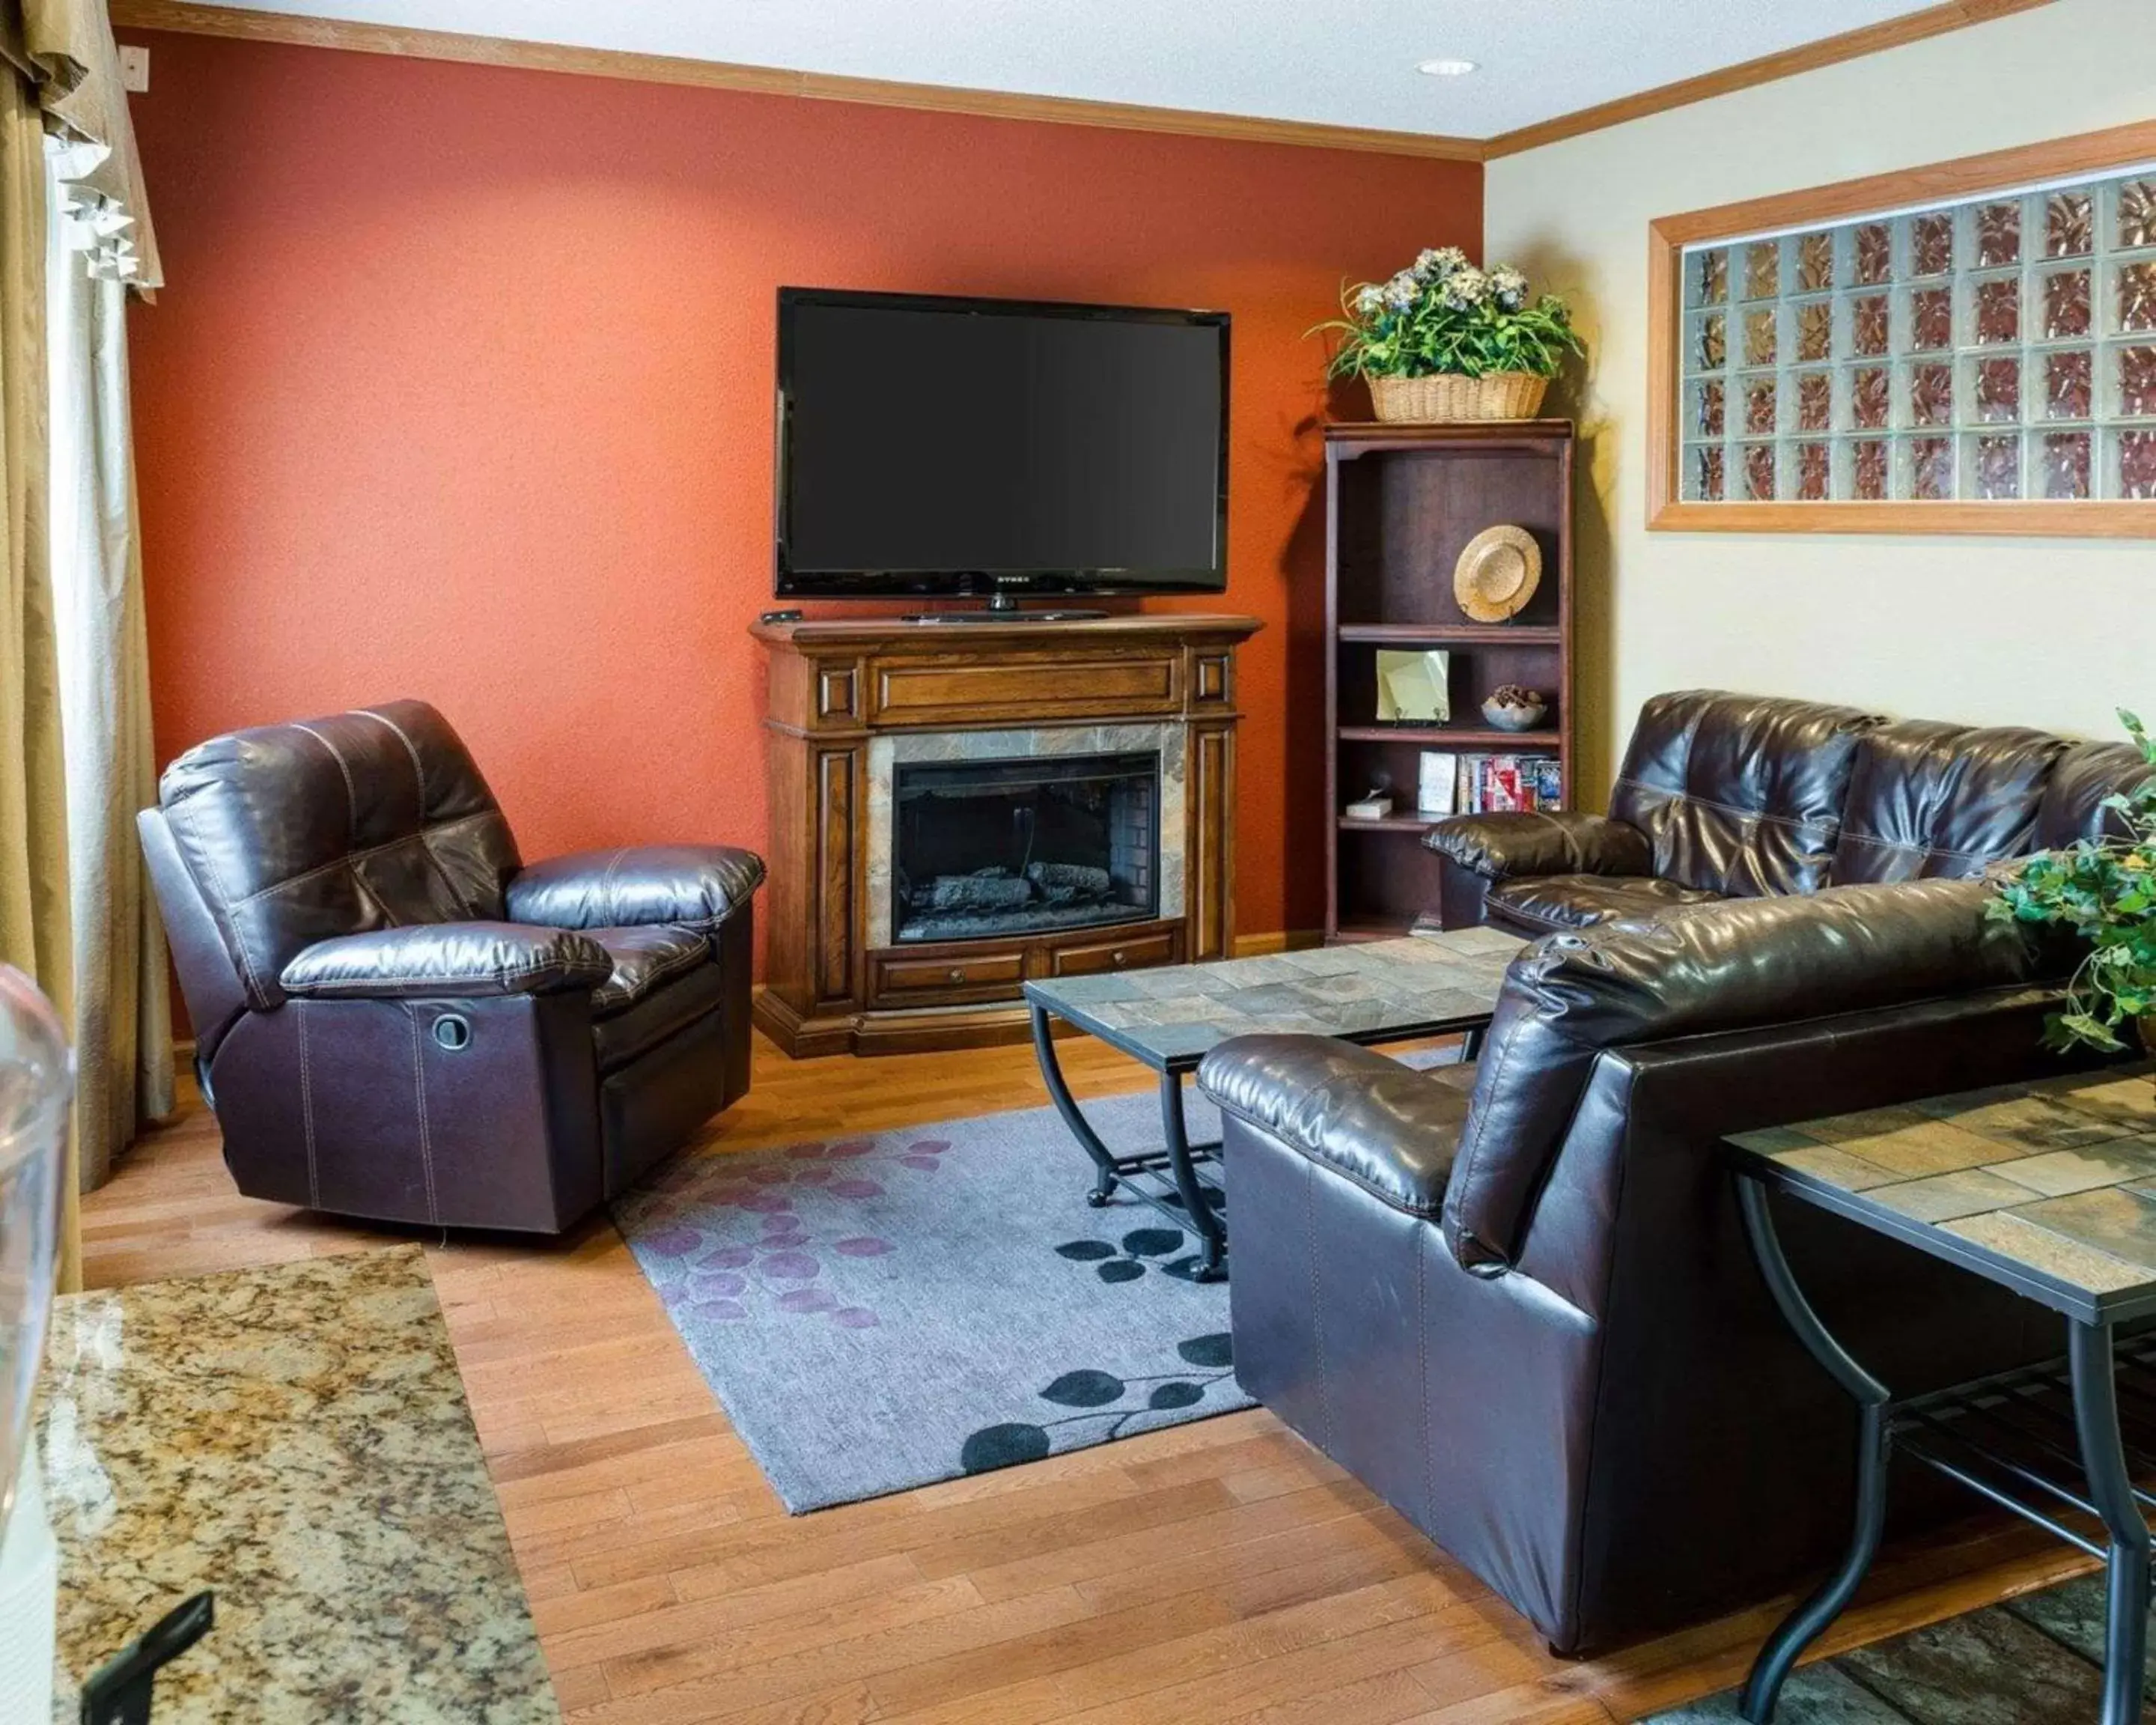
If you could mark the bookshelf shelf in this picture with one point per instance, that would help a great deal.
(1390, 824)
(1437, 634)
(1519, 742)
(1402, 501)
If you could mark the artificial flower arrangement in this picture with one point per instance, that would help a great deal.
(1443, 340)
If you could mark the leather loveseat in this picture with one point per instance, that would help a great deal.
(395, 1018)
(1737, 796)
(1516, 1299)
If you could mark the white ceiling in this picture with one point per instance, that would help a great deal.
(1340, 62)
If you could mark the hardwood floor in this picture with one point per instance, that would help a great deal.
(1211, 1572)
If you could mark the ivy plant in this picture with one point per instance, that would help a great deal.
(2105, 891)
(1443, 315)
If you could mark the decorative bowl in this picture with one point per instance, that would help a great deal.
(1514, 715)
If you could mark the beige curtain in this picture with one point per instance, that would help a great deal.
(68, 47)
(123, 1025)
(34, 933)
(60, 80)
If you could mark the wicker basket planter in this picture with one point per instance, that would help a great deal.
(1450, 396)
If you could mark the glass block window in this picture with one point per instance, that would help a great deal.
(1999, 349)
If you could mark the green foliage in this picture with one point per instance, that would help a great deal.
(1441, 314)
(2106, 893)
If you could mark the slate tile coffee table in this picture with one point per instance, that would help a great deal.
(2047, 1189)
(1171, 1018)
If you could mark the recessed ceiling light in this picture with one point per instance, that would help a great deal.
(1446, 68)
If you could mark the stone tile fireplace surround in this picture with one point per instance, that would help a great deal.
(852, 703)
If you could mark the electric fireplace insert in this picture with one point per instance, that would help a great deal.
(987, 848)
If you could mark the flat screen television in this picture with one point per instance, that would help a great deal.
(930, 445)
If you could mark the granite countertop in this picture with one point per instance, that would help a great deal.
(296, 1438)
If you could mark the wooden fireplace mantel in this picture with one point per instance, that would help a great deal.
(837, 684)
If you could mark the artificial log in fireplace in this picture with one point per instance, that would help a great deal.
(949, 819)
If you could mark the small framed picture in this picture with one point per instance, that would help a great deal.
(1414, 687)
(1437, 784)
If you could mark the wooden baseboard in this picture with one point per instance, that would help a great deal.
(1289, 940)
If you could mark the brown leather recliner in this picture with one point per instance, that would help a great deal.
(1517, 1301)
(395, 1018)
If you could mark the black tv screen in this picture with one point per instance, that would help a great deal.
(930, 445)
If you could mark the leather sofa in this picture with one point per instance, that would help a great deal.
(1736, 796)
(1516, 1298)
(395, 1018)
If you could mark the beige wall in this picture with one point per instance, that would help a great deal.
(2055, 633)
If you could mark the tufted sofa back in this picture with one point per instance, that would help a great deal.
(294, 834)
(2073, 808)
(1931, 801)
(1739, 794)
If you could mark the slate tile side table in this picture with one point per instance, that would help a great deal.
(2047, 1189)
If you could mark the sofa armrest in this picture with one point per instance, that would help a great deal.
(1500, 847)
(702, 885)
(462, 960)
(1389, 1128)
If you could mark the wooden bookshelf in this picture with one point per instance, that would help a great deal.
(1402, 501)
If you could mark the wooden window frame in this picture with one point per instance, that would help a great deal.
(2091, 155)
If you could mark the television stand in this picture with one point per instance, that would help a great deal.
(1003, 607)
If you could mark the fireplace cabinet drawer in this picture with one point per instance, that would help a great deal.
(1022, 688)
(1133, 950)
(946, 979)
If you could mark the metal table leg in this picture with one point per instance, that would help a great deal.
(1204, 1220)
(1149, 1176)
(2103, 1457)
(1067, 1105)
(1804, 1625)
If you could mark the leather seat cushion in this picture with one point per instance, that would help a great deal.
(664, 1012)
(645, 960)
(1560, 901)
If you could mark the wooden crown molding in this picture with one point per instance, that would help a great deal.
(2112, 149)
(1807, 57)
(248, 24)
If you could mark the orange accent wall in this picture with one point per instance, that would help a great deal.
(462, 389)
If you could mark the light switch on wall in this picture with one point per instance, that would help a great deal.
(135, 69)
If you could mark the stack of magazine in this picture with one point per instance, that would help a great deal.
(1488, 784)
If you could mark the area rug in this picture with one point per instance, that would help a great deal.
(2033, 1660)
(881, 1312)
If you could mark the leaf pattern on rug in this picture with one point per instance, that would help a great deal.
(784, 1269)
(1096, 1394)
(1140, 1250)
